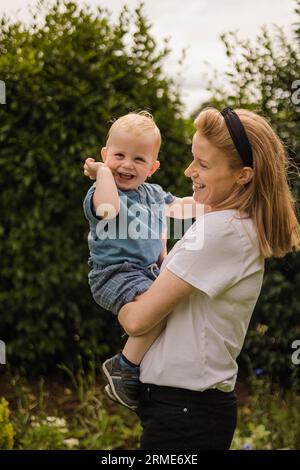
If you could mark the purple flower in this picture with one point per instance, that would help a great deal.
(247, 446)
(259, 372)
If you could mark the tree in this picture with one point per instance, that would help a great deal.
(67, 75)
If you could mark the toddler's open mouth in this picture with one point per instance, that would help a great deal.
(125, 176)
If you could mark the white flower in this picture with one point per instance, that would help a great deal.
(51, 419)
(57, 422)
(71, 442)
(35, 424)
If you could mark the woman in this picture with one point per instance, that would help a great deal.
(210, 284)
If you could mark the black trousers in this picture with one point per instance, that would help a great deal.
(176, 418)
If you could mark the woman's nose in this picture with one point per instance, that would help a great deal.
(189, 171)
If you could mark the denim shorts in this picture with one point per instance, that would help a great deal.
(116, 285)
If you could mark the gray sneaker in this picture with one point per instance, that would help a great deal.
(110, 394)
(123, 381)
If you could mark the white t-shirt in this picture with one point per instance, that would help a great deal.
(206, 331)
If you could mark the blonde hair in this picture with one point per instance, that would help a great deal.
(137, 123)
(267, 198)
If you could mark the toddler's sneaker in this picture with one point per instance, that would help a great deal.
(123, 381)
(110, 394)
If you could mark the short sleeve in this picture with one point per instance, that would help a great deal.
(210, 256)
(169, 198)
(160, 195)
(88, 205)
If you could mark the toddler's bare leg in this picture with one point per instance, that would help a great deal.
(137, 346)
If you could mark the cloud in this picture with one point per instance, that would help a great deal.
(195, 25)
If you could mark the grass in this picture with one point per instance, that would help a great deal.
(69, 411)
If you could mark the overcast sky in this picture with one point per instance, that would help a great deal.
(195, 25)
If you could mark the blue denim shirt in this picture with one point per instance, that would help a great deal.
(135, 234)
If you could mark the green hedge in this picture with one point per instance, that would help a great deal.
(66, 78)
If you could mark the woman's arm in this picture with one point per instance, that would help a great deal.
(164, 251)
(141, 315)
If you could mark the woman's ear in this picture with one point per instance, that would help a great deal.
(103, 153)
(245, 175)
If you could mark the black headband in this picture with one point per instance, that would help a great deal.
(238, 135)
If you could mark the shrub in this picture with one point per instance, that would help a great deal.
(270, 419)
(67, 75)
(6, 427)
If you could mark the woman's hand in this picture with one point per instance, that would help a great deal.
(166, 292)
(90, 168)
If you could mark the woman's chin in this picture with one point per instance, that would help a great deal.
(198, 197)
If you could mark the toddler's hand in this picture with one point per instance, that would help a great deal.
(90, 168)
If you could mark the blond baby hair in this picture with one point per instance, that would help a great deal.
(136, 123)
